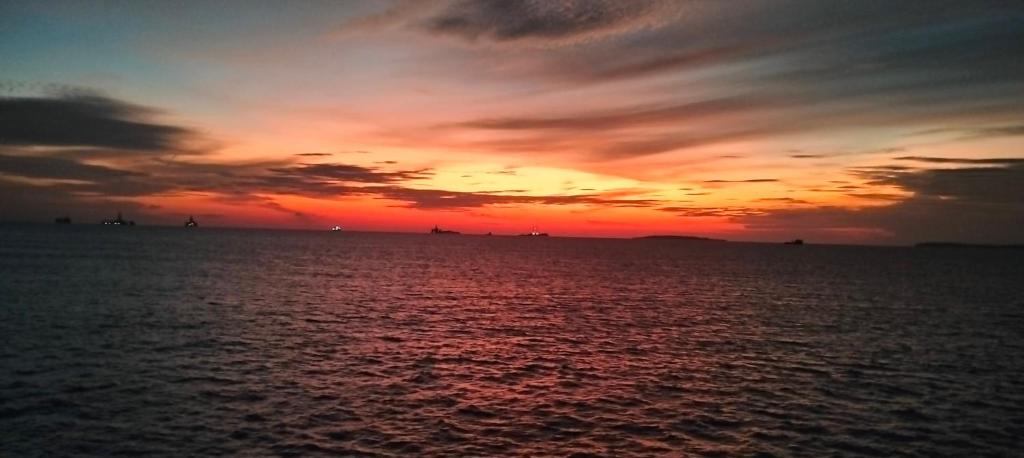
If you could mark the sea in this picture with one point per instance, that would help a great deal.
(148, 341)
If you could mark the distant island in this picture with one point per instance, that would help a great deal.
(964, 245)
(679, 237)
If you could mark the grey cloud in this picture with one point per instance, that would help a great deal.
(546, 21)
(90, 121)
(625, 118)
(669, 62)
(398, 14)
(619, 146)
(818, 38)
(801, 67)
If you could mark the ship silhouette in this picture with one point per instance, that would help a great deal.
(533, 233)
(438, 230)
(191, 222)
(119, 221)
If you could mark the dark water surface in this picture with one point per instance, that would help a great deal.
(136, 341)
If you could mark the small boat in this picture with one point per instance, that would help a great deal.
(191, 222)
(795, 242)
(336, 228)
(438, 230)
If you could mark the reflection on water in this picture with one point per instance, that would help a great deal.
(202, 342)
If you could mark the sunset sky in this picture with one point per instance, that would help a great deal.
(843, 122)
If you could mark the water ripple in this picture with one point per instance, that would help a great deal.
(298, 344)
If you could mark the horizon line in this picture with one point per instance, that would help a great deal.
(695, 238)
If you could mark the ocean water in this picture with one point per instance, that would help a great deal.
(164, 341)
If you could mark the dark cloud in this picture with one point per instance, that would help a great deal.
(972, 184)
(877, 195)
(973, 133)
(89, 121)
(906, 222)
(545, 21)
(72, 178)
(441, 199)
(81, 153)
(78, 178)
(84, 151)
(971, 204)
(715, 212)
(784, 200)
(752, 180)
(25, 202)
(806, 156)
(352, 173)
(73, 182)
(983, 203)
(962, 161)
(56, 168)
